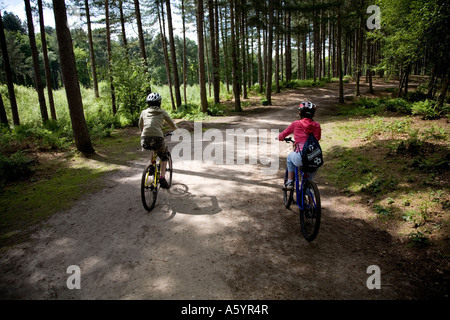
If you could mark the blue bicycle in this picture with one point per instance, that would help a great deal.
(307, 198)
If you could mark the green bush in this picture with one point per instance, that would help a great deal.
(428, 109)
(14, 167)
(397, 105)
(265, 102)
(216, 110)
(190, 111)
(131, 85)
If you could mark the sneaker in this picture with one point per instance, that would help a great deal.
(163, 183)
(289, 186)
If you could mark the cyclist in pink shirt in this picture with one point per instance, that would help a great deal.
(301, 129)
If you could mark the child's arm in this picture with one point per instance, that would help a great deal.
(318, 132)
(141, 123)
(286, 132)
(169, 121)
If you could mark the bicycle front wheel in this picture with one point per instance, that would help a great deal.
(311, 214)
(149, 188)
(287, 194)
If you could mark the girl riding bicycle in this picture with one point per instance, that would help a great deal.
(301, 129)
(151, 124)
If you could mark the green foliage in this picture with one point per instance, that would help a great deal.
(429, 109)
(50, 136)
(409, 29)
(16, 166)
(367, 106)
(190, 111)
(417, 239)
(265, 102)
(417, 218)
(131, 85)
(377, 125)
(381, 185)
(216, 109)
(382, 211)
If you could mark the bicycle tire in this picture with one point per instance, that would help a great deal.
(149, 192)
(310, 216)
(169, 170)
(288, 195)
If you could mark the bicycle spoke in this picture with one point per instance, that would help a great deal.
(311, 214)
(149, 189)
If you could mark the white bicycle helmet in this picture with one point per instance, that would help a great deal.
(154, 98)
(307, 109)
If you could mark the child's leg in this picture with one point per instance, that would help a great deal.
(163, 169)
(294, 160)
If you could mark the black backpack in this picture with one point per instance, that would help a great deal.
(312, 157)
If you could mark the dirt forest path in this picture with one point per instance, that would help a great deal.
(221, 232)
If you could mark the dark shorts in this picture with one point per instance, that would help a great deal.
(157, 144)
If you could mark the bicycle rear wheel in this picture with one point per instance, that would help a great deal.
(287, 194)
(311, 214)
(149, 190)
(169, 170)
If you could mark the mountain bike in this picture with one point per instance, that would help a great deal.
(307, 198)
(150, 178)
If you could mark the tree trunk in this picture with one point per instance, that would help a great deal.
(234, 64)
(9, 78)
(269, 55)
(91, 50)
(48, 77)
(214, 53)
(3, 117)
(304, 56)
(359, 57)
(173, 55)
(339, 56)
(201, 57)
(369, 65)
(70, 76)
(243, 51)
(162, 28)
(124, 34)
(444, 89)
(137, 11)
(183, 17)
(288, 50)
(225, 48)
(37, 69)
(329, 45)
(208, 73)
(310, 76)
(298, 57)
(277, 55)
(108, 49)
(260, 64)
(316, 33)
(432, 82)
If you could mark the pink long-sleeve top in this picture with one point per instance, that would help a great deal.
(301, 129)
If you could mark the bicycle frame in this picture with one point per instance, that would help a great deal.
(299, 190)
(156, 173)
(157, 166)
(299, 183)
(307, 200)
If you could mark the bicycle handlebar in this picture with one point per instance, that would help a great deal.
(289, 139)
(168, 133)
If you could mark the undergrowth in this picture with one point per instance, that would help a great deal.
(396, 158)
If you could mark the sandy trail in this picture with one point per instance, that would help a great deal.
(221, 232)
